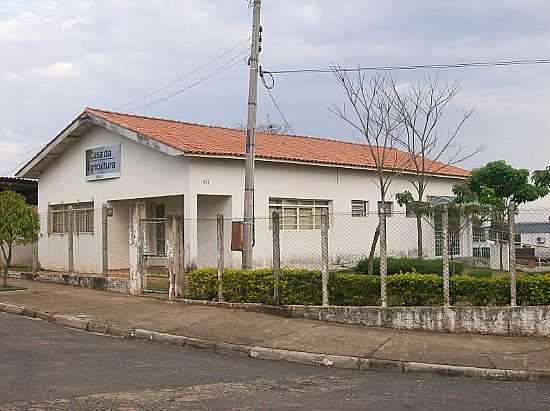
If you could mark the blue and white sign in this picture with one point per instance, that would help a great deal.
(103, 163)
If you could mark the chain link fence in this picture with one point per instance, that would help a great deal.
(87, 240)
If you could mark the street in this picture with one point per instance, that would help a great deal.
(46, 366)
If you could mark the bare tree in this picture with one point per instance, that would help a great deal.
(270, 127)
(373, 114)
(421, 109)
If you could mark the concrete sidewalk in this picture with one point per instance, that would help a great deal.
(255, 329)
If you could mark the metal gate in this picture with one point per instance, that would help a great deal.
(154, 255)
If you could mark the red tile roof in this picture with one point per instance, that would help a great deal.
(219, 141)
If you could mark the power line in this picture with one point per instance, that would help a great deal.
(268, 88)
(20, 155)
(417, 66)
(183, 77)
(227, 65)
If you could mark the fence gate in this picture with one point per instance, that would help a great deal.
(154, 255)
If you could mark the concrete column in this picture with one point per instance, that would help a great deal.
(445, 235)
(276, 227)
(190, 228)
(179, 258)
(70, 238)
(137, 266)
(512, 251)
(324, 256)
(220, 253)
(174, 255)
(104, 241)
(383, 256)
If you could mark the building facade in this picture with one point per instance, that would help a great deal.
(115, 160)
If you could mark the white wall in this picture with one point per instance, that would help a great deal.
(151, 176)
(144, 173)
(350, 237)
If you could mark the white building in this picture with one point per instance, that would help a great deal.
(198, 171)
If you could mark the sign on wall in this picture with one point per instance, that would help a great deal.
(103, 163)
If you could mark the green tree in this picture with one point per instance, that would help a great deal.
(19, 225)
(495, 186)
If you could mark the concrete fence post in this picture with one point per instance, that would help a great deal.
(445, 254)
(276, 228)
(137, 268)
(104, 241)
(383, 256)
(170, 247)
(512, 252)
(324, 256)
(220, 252)
(70, 238)
(179, 257)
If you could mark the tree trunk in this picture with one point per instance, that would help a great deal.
(419, 236)
(373, 250)
(7, 260)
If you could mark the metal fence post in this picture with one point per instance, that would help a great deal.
(104, 243)
(445, 234)
(324, 255)
(512, 252)
(220, 252)
(276, 227)
(70, 238)
(383, 256)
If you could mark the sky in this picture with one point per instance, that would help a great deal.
(59, 56)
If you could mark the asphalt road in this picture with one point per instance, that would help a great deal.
(47, 367)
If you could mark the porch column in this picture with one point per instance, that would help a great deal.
(190, 231)
(137, 268)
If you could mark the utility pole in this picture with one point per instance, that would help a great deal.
(248, 226)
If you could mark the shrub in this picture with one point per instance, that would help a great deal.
(480, 272)
(409, 265)
(304, 287)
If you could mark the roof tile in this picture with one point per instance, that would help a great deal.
(219, 141)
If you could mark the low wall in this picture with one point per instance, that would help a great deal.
(532, 321)
(527, 321)
(115, 284)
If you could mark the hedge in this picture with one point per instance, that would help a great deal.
(304, 287)
(410, 265)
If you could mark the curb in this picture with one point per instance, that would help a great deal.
(277, 354)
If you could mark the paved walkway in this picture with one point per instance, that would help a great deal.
(264, 330)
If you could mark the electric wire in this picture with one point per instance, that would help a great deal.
(183, 77)
(416, 66)
(226, 66)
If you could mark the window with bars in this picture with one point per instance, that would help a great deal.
(298, 214)
(387, 206)
(58, 218)
(359, 208)
(482, 252)
(479, 234)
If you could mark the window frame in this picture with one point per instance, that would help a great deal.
(298, 214)
(83, 218)
(365, 208)
(386, 203)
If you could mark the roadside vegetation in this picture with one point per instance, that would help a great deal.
(354, 289)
